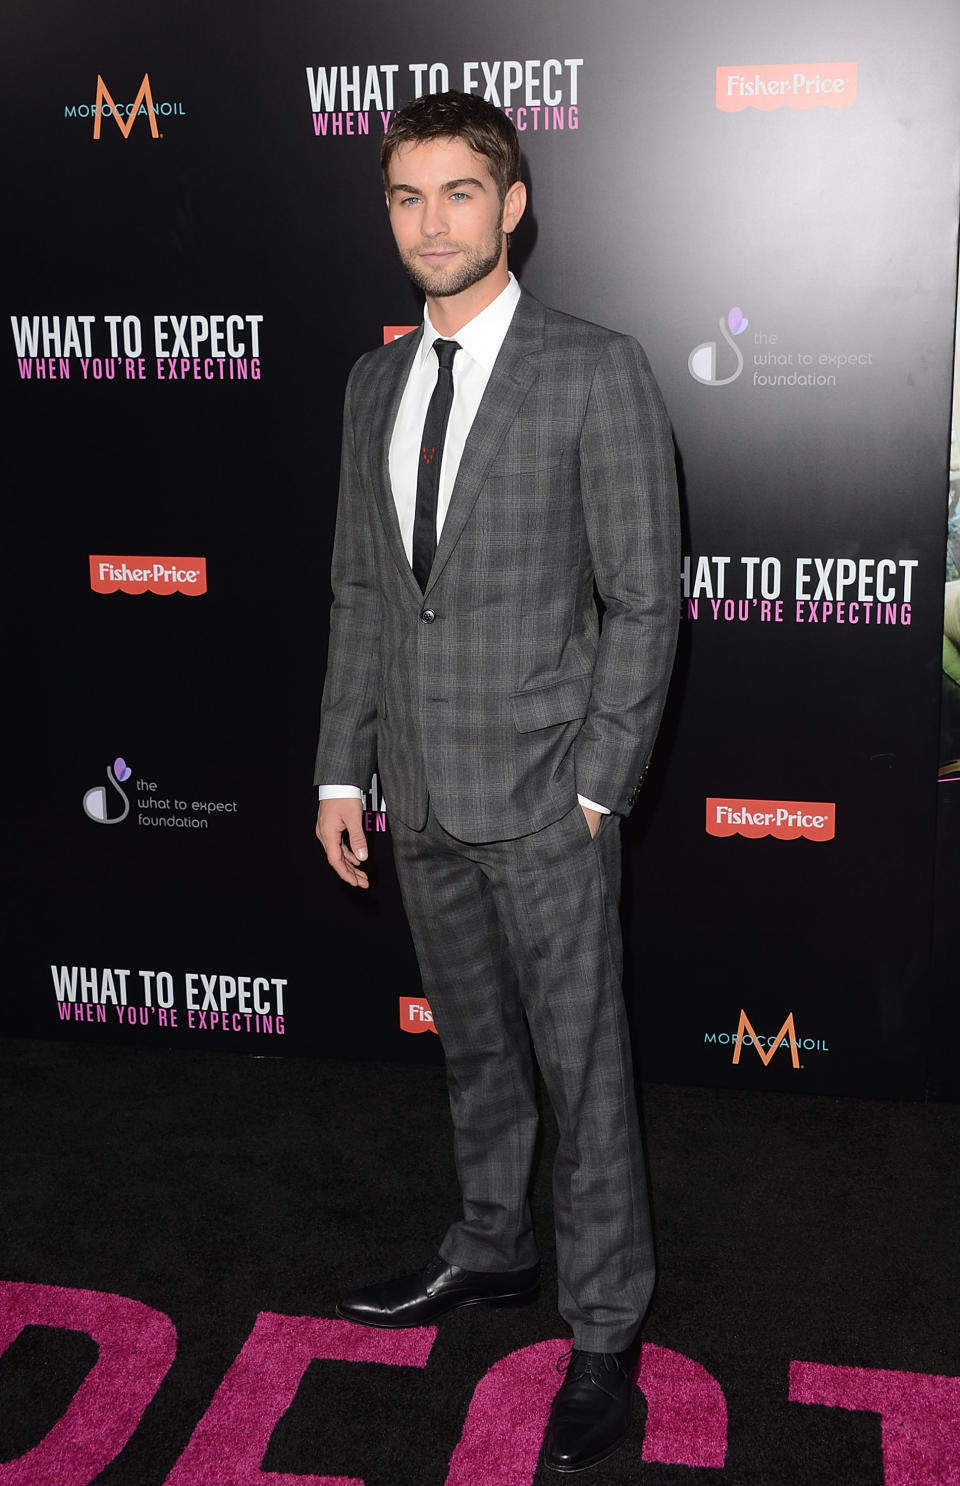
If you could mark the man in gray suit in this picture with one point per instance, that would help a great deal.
(497, 468)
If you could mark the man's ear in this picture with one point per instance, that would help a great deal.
(514, 204)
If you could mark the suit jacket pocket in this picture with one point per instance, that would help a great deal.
(546, 706)
(528, 466)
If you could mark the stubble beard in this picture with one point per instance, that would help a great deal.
(473, 266)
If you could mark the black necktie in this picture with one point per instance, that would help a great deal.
(428, 466)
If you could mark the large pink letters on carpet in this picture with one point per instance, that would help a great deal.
(228, 1445)
(919, 1413)
(503, 1431)
(137, 1345)
(507, 1418)
(686, 1410)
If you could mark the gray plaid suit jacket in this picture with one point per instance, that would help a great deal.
(497, 694)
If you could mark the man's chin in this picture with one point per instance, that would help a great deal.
(441, 283)
(443, 289)
(438, 283)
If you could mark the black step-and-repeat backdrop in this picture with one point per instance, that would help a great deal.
(766, 197)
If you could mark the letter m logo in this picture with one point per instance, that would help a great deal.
(144, 98)
(788, 1030)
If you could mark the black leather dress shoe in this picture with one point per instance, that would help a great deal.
(592, 1409)
(417, 1299)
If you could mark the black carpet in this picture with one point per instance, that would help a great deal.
(210, 1187)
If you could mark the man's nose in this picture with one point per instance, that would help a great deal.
(434, 220)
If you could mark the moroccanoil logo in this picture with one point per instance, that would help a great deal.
(770, 85)
(767, 1044)
(124, 115)
(785, 819)
(786, 1037)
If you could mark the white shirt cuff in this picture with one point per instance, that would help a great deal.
(350, 792)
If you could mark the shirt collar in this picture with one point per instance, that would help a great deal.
(482, 336)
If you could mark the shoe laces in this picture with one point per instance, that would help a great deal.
(579, 1364)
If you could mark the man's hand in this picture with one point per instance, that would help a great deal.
(334, 818)
(593, 817)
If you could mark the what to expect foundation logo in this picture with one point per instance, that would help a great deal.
(102, 808)
(777, 361)
(156, 808)
(702, 361)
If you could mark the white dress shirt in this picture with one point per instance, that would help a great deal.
(479, 341)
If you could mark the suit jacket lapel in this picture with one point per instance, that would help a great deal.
(514, 373)
(385, 394)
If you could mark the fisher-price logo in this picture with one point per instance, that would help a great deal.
(785, 819)
(415, 1015)
(772, 85)
(148, 574)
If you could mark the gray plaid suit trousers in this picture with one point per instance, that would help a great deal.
(525, 934)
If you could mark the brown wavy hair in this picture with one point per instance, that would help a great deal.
(486, 129)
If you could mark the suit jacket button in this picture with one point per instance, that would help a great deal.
(428, 615)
